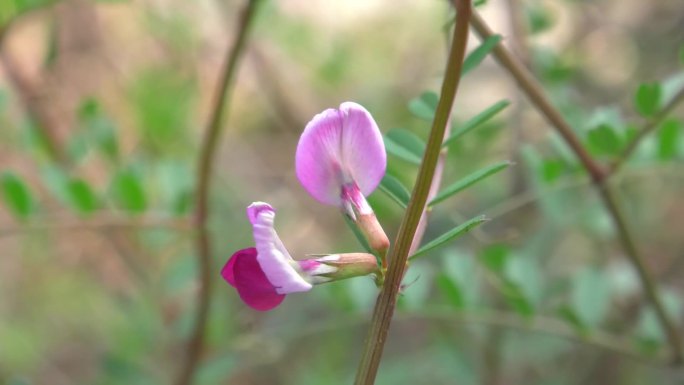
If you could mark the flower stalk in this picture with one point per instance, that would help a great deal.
(386, 302)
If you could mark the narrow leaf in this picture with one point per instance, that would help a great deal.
(468, 181)
(450, 290)
(424, 106)
(408, 140)
(479, 54)
(16, 195)
(400, 151)
(395, 190)
(451, 235)
(477, 120)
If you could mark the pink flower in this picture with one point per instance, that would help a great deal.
(264, 274)
(341, 157)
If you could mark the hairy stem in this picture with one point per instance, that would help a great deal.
(386, 302)
(204, 172)
(535, 93)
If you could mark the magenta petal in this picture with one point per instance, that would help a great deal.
(251, 282)
(339, 147)
(228, 271)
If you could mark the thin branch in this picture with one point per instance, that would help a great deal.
(204, 174)
(386, 302)
(647, 128)
(535, 93)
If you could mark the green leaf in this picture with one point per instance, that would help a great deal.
(668, 139)
(590, 296)
(451, 234)
(127, 191)
(468, 181)
(539, 18)
(395, 190)
(552, 169)
(424, 106)
(477, 120)
(16, 195)
(400, 151)
(82, 196)
(604, 140)
(479, 54)
(648, 99)
(450, 290)
(495, 257)
(407, 140)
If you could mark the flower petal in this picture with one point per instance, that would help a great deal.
(228, 271)
(252, 285)
(339, 147)
(275, 261)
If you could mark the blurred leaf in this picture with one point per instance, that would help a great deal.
(128, 192)
(477, 120)
(468, 181)
(552, 169)
(590, 296)
(648, 327)
(648, 98)
(479, 54)
(417, 285)
(16, 195)
(604, 140)
(569, 315)
(395, 190)
(400, 151)
(424, 106)
(408, 140)
(217, 370)
(450, 290)
(668, 139)
(494, 257)
(523, 271)
(451, 235)
(538, 17)
(82, 196)
(99, 130)
(516, 298)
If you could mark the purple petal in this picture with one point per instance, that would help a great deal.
(251, 283)
(275, 261)
(228, 271)
(339, 147)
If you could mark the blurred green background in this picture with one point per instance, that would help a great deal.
(102, 108)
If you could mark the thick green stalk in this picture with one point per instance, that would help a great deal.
(386, 302)
(204, 168)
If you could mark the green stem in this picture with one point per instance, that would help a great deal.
(386, 302)
(204, 171)
(535, 93)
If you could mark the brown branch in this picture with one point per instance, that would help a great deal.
(647, 128)
(598, 175)
(204, 173)
(386, 302)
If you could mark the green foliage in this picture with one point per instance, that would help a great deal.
(604, 140)
(450, 235)
(97, 129)
(590, 297)
(82, 197)
(127, 191)
(539, 18)
(424, 106)
(648, 98)
(404, 145)
(395, 190)
(669, 137)
(468, 181)
(16, 195)
(475, 58)
(476, 121)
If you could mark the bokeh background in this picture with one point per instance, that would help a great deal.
(102, 108)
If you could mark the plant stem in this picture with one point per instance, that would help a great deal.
(204, 172)
(650, 125)
(386, 302)
(598, 175)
